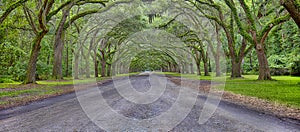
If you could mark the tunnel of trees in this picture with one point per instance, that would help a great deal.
(53, 39)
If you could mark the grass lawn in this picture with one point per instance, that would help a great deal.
(16, 93)
(283, 89)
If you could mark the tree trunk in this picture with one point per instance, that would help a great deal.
(96, 68)
(67, 61)
(57, 58)
(206, 70)
(96, 63)
(209, 66)
(108, 69)
(103, 64)
(187, 69)
(264, 70)
(59, 46)
(293, 9)
(236, 69)
(120, 69)
(31, 69)
(114, 70)
(198, 68)
(87, 67)
(205, 64)
(218, 70)
(192, 68)
(76, 68)
(183, 67)
(218, 52)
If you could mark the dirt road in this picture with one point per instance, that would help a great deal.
(64, 113)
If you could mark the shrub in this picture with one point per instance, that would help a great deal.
(6, 80)
(279, 71)
(295, 68)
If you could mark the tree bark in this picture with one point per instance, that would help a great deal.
(57, 58)
(108, 69)
(293, 9)
(218, 52)
(198, 68)
(76, 67)
(87, 67)
(192, 68)
(218, 70)
(59, 46)
(31, 69)
(236, 69)
(103, 64)
(183, 65)
(206, 70)
(96, 68)
(67, 60)
(264, 70)
(96, 63)
(205, 65)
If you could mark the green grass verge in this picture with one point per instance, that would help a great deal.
(42, 90)
(283, 89)
(16, 93)
(13, 94)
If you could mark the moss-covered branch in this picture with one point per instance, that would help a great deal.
(293, 7)
(214, 18)
(209, 4)
(265, 31)
(239, 24)
(10, 9)
(85, 13)
(54, 12)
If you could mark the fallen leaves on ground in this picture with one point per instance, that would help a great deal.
(269, 107)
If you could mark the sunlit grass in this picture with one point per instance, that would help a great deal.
(189, 76)
(12, 94)
(5, 85)
(282, 89)
(41, 90)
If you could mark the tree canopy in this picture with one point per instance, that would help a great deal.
(55, 39)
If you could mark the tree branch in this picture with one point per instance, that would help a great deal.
(85, 13)
(10, 9)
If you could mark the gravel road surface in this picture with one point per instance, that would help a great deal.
(64, 113)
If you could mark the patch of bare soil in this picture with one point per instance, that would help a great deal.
(282, 111)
